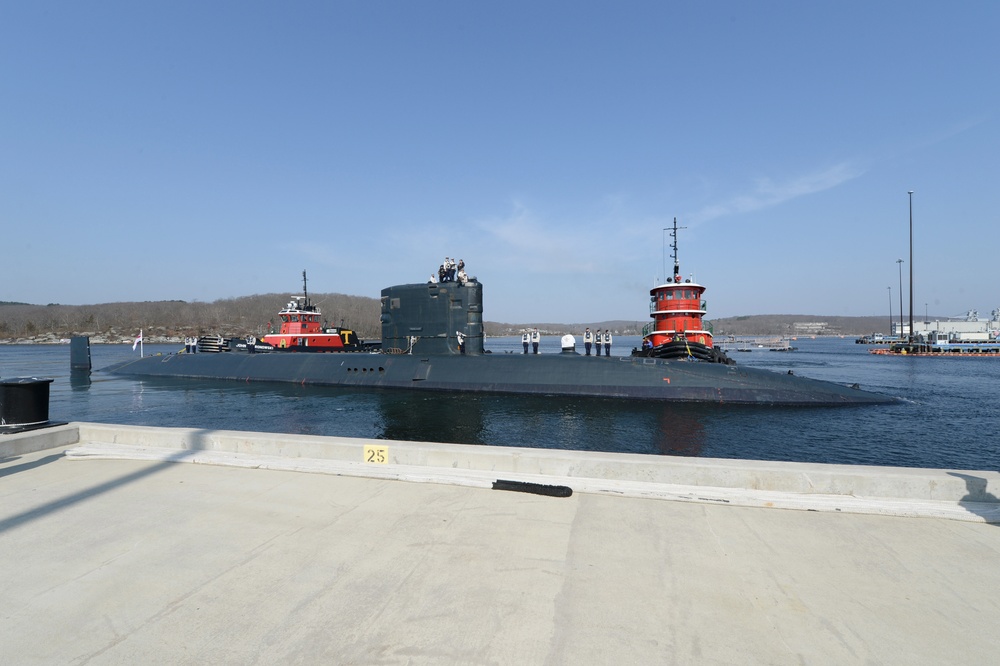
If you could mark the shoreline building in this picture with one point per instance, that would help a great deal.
(970, 329)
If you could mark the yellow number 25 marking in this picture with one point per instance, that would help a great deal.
(378, 455)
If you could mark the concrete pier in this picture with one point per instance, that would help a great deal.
(152, 545)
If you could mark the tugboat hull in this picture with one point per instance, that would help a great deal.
(681, 349)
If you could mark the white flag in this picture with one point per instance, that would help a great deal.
(137, 340)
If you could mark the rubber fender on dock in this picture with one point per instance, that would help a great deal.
(534, 488)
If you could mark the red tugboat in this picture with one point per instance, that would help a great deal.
(302, 331)
(677, 330)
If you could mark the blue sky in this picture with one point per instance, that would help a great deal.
(197, 151)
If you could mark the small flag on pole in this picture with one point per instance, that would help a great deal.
(138, 340)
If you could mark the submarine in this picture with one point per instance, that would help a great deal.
(432, 340)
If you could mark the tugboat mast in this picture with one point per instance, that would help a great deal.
(305, 292)
(673, 234)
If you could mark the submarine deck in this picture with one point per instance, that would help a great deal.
(551, 374)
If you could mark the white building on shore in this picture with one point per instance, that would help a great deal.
(970, 329)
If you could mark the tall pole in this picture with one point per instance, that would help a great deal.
(911, 264)
(900, 262)
(890, 308)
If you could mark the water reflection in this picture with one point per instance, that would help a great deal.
(435, 417)
(551, 422)
(554, 422)
(681, 430)
(79, 379)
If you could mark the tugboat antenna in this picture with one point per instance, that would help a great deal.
(305, 292)
(673, 234)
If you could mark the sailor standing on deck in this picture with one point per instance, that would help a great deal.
(607, 342)
(525, 339)
(251, 344)
(536, 337)
(461, 341)
(597, 342)
(588, 340)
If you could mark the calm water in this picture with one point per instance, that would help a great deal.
(950, 415)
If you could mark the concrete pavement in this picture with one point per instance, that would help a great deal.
(110, 560)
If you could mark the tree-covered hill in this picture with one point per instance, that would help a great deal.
(231, 317)
(247, 315)
(800, 325)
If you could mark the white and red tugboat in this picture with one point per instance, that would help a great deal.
(301, 329)
(677, 330)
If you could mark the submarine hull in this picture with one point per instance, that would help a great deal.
(423, 326)
(545, 374)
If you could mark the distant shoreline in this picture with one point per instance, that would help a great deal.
(172, 321)
(168, 340)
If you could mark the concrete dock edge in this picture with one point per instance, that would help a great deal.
(969, 495)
